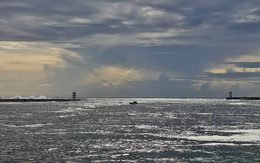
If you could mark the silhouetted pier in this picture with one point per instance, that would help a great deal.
(39, 100)
(241, 98)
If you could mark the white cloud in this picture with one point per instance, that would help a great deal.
(115, 76)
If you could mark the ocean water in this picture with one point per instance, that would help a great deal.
(112, 130)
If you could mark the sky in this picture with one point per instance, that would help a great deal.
(129, 48)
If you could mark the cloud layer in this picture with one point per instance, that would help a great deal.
(129, 48)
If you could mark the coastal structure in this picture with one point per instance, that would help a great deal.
(74, 95)
(38, 100)
(241, 98)
(74, 98)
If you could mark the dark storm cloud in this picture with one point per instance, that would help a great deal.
(248, 28)
(257, 12)
(245, 64)
(52, 20)
(46, 8)
(235, 75)
(32, 20)
(203, 12)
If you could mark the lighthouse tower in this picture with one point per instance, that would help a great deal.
(230, 94)
(74, 95)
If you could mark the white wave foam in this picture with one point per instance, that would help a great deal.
(30, 97)
(26, 126)
(71, 110)
(251, 135)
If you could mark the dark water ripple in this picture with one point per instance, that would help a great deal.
(109, 130)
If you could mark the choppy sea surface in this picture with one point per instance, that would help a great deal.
(112, 130)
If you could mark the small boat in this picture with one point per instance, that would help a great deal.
(133, 102)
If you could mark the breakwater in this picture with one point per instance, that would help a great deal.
(39, 100)
(243, 98)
